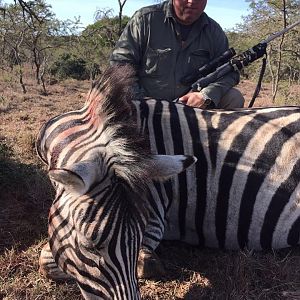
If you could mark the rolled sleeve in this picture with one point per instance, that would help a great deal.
(215, 91)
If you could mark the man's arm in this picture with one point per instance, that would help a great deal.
(216, 90)
(128, 49)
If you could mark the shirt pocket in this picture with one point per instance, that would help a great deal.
(157, 61)
(198, 58)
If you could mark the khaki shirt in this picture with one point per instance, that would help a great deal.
(152, 43)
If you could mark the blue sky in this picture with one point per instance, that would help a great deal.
(226, 12)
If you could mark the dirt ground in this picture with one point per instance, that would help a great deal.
(25, 198)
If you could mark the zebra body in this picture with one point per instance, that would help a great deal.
(111, 201)
(244, 189)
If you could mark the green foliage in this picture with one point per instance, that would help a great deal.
(103, 32)
(69, 65)
(265, 18)
(97, 41)
(35, 36)
(55, 47)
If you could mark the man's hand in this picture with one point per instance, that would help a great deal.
(195, 99)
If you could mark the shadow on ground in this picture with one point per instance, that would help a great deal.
(25, 198)
(193, 274)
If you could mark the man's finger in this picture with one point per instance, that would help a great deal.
(183, 99)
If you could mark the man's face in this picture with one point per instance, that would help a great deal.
(188, 11)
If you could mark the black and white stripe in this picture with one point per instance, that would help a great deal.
(242, 192)
(244, 189)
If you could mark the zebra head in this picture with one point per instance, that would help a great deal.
(100, 167)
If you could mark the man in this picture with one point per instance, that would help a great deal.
(169, 41)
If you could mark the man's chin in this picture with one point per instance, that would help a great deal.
(189, 19)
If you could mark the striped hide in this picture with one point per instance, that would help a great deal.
(113, 164)
(244, 189)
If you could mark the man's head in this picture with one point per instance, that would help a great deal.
(188, 11)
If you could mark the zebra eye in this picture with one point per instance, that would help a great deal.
(99, 248)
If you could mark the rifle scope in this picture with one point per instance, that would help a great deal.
(209, 67)
(235, 64)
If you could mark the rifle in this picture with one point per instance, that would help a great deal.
(229, 62)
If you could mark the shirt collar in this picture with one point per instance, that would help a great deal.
(169, 10)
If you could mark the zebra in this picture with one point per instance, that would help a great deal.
(100, 167)
(243, 191)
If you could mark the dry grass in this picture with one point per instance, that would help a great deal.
(25, 198)
(214, 274)
(19, 278)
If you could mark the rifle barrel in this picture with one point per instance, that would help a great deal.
(279, 33)
(239, 62)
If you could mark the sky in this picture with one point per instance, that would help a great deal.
(226, 12)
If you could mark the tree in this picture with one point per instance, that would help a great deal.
(275, 77)
(12, 35)
(29, 33)
(265, 18)
(121, 6)
(98, 39)
(39, 20)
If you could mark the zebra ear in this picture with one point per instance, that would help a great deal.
(75, 178)
(166, 166)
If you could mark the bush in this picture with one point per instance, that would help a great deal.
(70, 66)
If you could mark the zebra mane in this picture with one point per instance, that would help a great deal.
(110, 100)
(112, 94)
